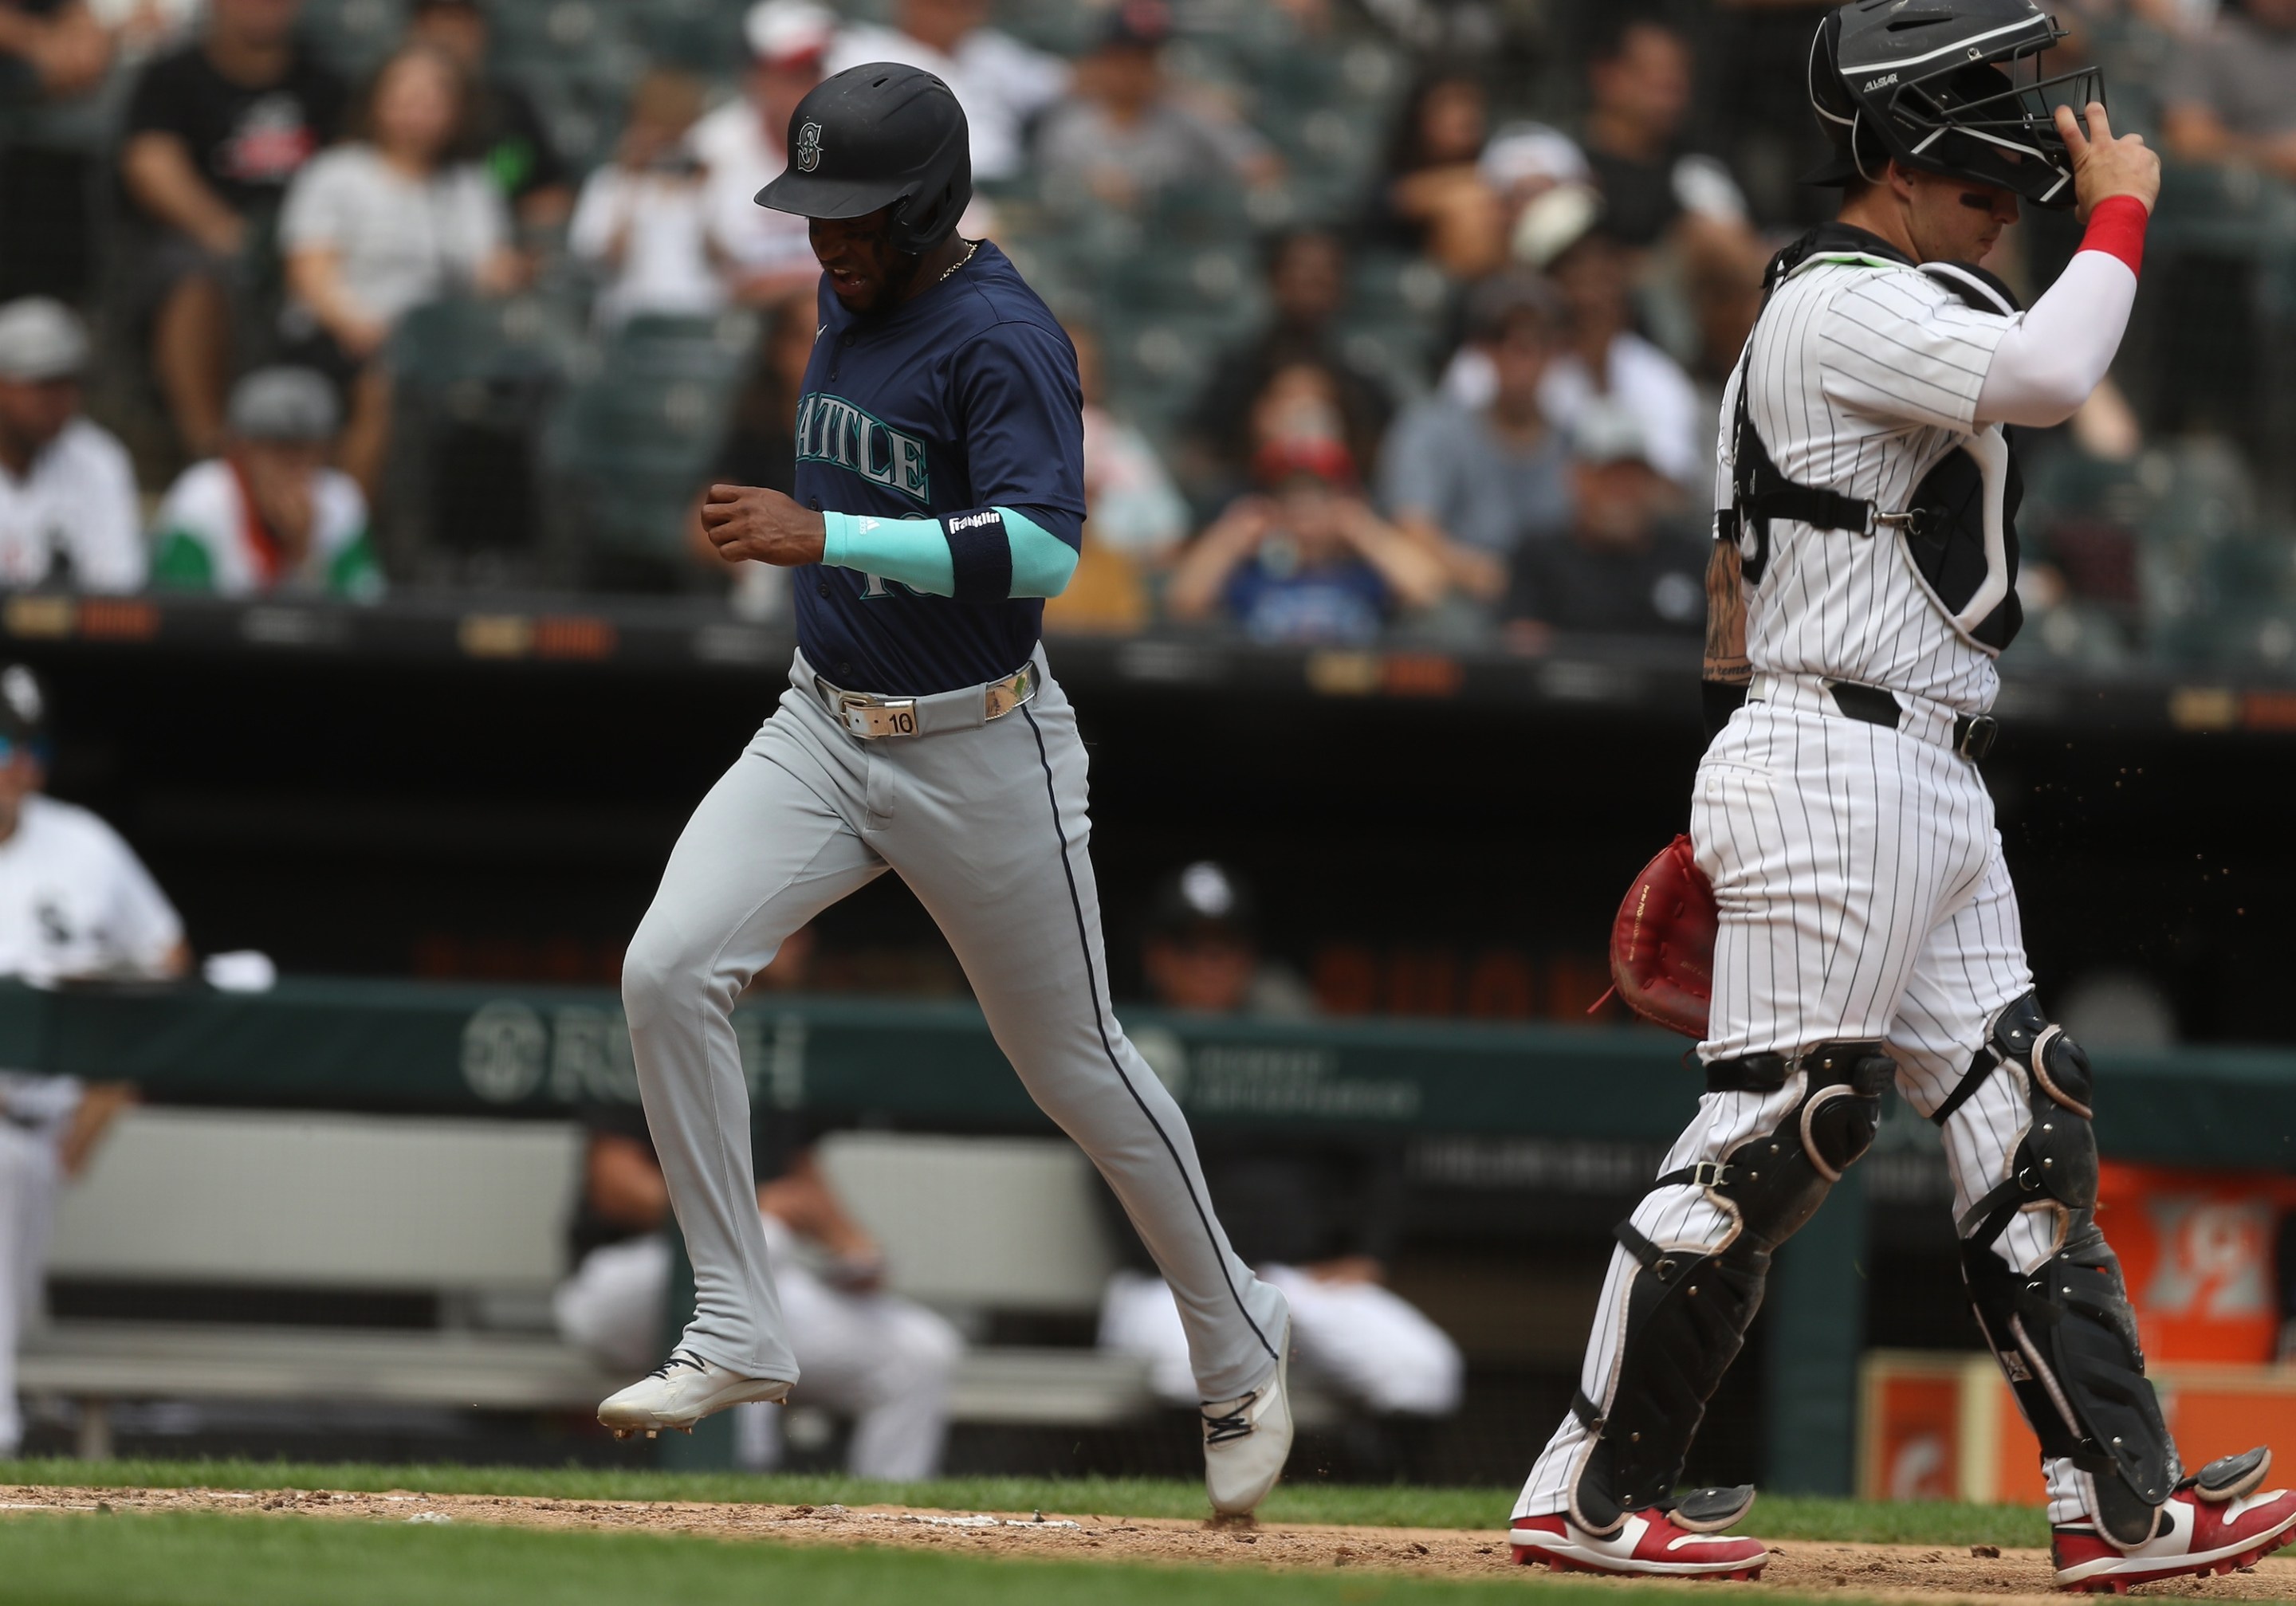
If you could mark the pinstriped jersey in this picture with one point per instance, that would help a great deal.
(1861, 373)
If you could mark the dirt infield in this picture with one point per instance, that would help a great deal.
(1869, 1571)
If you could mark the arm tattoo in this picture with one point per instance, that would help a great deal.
(1726, 617)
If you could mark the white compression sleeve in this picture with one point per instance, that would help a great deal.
(2048, 363)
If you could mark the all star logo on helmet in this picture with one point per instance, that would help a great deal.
(808, 147)
(1881, 83)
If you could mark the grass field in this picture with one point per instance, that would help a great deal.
(203, 1561)
(1777, 1517)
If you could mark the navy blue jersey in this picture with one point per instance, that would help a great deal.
(963, 397)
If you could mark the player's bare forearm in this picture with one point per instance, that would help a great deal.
(1726, 617)
(748, 522)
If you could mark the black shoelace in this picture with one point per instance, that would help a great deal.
(677, 1358)
(1231, 1424)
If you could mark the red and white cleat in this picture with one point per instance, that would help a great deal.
(2214, 1525)
(1649, 1543)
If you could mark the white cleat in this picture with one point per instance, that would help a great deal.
(681, 1393)
(1246, 1442)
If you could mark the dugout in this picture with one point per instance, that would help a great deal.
(477, 795)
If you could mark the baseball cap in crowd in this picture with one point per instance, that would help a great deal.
(1304, 456)
(1138, 25)
(1554, 223)
(24, 709)
(1205, 893)
(1607, 433)
(284, 404)
(789, 33)
(40, 339)
(1532, 155)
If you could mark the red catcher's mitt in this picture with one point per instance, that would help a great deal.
(1662, 943)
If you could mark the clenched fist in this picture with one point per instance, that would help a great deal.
(2105, 165)
(750, 521)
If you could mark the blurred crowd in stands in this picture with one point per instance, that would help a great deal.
(1398, 319)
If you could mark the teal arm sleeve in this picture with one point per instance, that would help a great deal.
(919, 553)
(913, 551)
(1042, 562)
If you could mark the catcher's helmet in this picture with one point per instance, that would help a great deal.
(880, 134)
(1951, 85)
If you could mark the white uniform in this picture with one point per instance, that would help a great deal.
(74, 901)
(1858, 869)
(881, 1359)
(1363, 1339)
(74, 511)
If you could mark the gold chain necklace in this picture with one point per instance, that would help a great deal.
(960, 262)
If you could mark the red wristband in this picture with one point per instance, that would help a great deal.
(2116, 226)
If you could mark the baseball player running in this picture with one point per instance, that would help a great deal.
(938, 501)
(1861, 588)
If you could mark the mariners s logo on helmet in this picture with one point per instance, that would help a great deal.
(808, 147)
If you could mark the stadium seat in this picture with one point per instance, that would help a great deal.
(631, 445)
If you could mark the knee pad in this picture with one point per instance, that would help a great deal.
(2065, 1334)
(1776, 1180)
(1688, 1311)
(2055, 1161)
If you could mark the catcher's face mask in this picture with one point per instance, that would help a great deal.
(1954, 87)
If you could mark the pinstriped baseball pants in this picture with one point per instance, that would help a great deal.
(1862, 895)
(989, 826)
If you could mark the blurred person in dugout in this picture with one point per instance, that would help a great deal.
(643, 221)
(68, 508)
(1308, 561)
(765, 254)
(1318, 1219)
(881, 1359)
(214, 132)
(1134, 516)
(1629, 563)
(269, 514)
(75, 905)
(388, 220)
(504, 131)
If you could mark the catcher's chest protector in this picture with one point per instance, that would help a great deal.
(1943, 522)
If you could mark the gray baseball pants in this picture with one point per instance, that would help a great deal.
(987, 823)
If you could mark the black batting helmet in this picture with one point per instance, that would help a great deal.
(1953, 86)
(876, 135)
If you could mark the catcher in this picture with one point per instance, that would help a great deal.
(1861, 925)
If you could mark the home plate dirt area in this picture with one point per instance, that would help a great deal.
(1868, 1571)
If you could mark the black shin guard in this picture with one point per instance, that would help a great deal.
(1688, 1311)
(2065, 1335)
